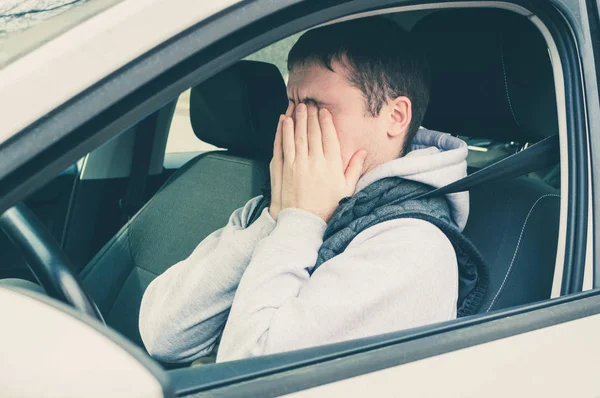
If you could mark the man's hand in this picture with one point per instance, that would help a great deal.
(313, 178)
(276, 166)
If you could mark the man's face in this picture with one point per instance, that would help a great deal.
(356, 128)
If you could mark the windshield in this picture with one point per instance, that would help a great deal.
(27, 24)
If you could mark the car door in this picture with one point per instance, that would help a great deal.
(546, 350)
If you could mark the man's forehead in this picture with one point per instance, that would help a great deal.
(306, 80)
(310, 74)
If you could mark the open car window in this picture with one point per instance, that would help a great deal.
(519, 207)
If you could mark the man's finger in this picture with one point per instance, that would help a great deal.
(287, 133)
(277, 144)
(290, 109)
(354, 170)
(300, 130)
(315, 144)
(331, 143)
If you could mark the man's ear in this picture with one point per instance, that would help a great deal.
(400, 115)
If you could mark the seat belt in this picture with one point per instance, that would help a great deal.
(140, 167)
(540, 155)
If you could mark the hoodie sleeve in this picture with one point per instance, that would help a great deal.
(395, 275)
(184, 309)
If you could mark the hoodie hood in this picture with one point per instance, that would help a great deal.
(435, 159)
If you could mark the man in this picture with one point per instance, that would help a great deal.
(338, 254)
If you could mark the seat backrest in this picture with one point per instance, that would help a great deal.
(514, 224)
(199, 198)
(492, 78)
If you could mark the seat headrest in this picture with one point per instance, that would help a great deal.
(491, 75)
(238, 108)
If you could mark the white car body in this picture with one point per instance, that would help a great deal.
(65, 356)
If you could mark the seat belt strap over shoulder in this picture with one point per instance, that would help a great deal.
(540, 155)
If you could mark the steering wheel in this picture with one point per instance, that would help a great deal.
(46, 259)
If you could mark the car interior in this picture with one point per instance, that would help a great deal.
(129, 210)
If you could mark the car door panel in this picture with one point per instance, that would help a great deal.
(536, 363)
(485, 343)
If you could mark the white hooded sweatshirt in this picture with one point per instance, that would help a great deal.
(255, 282)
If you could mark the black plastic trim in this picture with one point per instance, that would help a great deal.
(594, 24)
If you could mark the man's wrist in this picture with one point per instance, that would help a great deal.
(261, 227)
(316, 211)
(300, 222)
